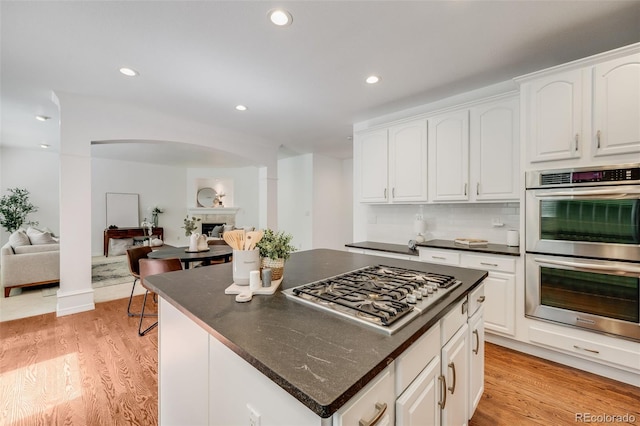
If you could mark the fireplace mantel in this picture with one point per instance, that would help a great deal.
(212, 210)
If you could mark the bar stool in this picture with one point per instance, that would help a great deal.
(133, 256)
(150, 267)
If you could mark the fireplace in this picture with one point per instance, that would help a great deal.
(207, 228)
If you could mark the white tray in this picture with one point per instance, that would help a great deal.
(237, 289)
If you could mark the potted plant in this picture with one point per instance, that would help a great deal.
(190, 225)
(275, 248)
(14, 209)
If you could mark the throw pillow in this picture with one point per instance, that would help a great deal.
(19, 238)
(217, 230)
(37, 236)
(119, 246)
(227, 228)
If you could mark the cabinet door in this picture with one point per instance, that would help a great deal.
(616, 106)
(418, 405)
(371, 149)
(408, 161)
(500, 312)
(476, 360)
(455, 368)
(449, 156)
(495, 159)
(554, 117)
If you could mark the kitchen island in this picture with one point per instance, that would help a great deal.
(221, 362)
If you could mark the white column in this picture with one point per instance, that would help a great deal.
(75, 294)
(268, 196)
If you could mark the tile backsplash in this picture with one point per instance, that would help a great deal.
(394, 223)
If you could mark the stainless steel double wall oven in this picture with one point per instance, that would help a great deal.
(583, 248)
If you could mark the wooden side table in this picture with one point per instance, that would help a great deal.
(128, 233)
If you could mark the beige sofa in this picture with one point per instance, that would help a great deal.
(29, 265)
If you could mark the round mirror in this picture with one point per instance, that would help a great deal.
(206, 197)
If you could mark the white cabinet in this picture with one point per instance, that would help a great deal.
(371, 149)
(455, 369)
(393, 163)
(419, 404)
(449, 156)
(499, 286)
(554, 116)
(408, 162)
(616, 106)
(495, 153)
(585, 113)
(476, 348)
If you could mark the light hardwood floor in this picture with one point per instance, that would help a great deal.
(93, 369)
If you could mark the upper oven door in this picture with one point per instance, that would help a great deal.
(597, 222)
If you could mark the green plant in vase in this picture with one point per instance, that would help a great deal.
(275, 248)
(14, 209)
(190, 225)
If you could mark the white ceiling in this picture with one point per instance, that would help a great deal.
(304, 83)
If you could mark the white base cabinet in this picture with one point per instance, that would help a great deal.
(419, 404)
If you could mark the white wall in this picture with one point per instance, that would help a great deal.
(37, 172)
(295, 199)
(157, 185)
(245, 190)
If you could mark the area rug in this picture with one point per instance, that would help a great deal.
(105, 271)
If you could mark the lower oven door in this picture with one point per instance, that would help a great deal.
(593, 294)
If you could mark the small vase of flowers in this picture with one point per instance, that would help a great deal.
(190, 225)
(155, 211)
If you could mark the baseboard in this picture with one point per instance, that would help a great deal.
(73, 302)
(620, 375)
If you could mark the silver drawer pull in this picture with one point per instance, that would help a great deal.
(439, 257)
(481, 299)
(381, 407)
(495, 265)
(580, 348)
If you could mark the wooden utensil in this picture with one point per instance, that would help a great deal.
(234, 238)
(252, 238)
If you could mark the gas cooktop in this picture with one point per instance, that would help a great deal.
(384, 297)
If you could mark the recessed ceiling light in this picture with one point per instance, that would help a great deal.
(372, 79)
(44, 145)
(129, 72)
(42, 117)
(241, 108)
(280, 17)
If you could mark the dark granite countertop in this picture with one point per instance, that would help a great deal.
(489, 249)
(392, 248)
(319, 358)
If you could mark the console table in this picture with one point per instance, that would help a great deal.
(128, 233)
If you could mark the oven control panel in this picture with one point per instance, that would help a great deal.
(613, 175)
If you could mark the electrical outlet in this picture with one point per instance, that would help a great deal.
(254, 416)
(497, 222)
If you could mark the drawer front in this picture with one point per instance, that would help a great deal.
(376, 400)
(452, 322)
(490, 263)
(476, 299)
(586, 348)
(446, 257)
(412, 361)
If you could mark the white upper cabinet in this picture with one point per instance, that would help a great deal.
(393, 163)
(616, 106)
(554, 117)
(584, 113)
(449, 156)
(371, 149)
(408, 161)
(495, 154)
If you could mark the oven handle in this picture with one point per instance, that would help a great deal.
(615, 193)
(617, 268)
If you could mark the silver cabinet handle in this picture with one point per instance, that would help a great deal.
(439, 257)
(381, 407)
(465, 189)
(481, 299)
(393, 193)
(478, 188)
(495, 265)
(452, 388)
(443, 391)
(577, 139)
(477, 349)
(385, 193)
(598, 138)
(593, 351)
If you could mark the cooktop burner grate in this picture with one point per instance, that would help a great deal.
(378, 294)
